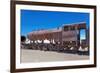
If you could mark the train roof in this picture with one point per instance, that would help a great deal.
(82, 26)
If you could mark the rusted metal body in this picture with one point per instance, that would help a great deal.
(65, 35)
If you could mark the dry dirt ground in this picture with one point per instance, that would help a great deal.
(48, 56)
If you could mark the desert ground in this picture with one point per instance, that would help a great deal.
(28, 56)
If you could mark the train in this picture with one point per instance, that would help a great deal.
(64, 38)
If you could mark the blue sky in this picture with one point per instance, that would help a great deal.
(32, 20)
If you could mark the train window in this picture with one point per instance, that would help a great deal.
(82, 34)
(66, 28)
(72, 28)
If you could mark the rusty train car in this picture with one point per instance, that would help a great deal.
(65, 36)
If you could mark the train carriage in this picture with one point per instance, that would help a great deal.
(62, 38)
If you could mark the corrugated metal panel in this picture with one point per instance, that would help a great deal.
(69, 36)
